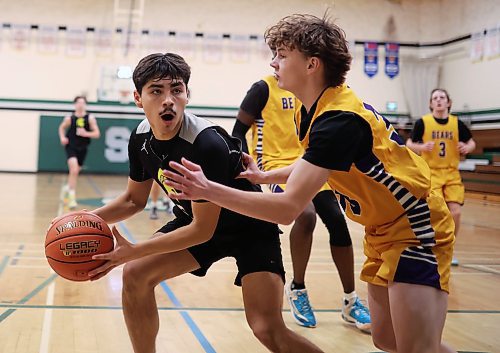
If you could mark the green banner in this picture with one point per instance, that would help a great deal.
(108, 154)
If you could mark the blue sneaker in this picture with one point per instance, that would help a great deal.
(300, 307)
(357, 314)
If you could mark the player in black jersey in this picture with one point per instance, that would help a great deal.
(81, 127)
(202, 232)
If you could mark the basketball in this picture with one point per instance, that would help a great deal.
(71, 241)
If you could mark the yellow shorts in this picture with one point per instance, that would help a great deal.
(448, 183)
(416, 248)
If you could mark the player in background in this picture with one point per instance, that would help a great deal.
(269, 112)
(441, 139)
(75, 132)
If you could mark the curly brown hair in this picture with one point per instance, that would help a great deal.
(317, 37)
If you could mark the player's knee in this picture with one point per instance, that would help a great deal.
(307, 220)
(134, 278)
(74, 169)
(265, 332)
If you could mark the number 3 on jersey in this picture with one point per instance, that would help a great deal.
(442, 149)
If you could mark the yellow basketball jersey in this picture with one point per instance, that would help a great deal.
(275, 143)
(385, 184)
(445, 137)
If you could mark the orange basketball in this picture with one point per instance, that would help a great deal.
(71, 241)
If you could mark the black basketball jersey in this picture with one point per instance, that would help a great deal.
(203, 143)
(75, 140)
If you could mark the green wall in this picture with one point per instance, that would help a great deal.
(108, 154)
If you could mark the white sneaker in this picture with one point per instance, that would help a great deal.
(300, 307)
(356, 313)
(72, 204)
(454, 261)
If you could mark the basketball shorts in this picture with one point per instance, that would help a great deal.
(416, 248)
(448, 183)
(253, 252)
(79, 153)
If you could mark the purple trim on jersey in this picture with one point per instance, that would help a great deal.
(418, 265)
(276, 189)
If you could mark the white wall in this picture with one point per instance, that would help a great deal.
(19, 142)
(29, 74)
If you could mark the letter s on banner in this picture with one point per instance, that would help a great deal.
(117, 144)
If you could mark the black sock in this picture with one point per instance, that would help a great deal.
(296, 285)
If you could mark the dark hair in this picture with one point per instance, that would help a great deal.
(317, 37)
(80, 97)
(159, 66)
(445, 92)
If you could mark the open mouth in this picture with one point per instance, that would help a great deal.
(167, 117)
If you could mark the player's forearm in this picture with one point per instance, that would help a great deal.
(94, 134)
(471, 145)
(118, 210)
(277, 176)
(62, 132)
(414, 146)
(179, 239)
(274, 208)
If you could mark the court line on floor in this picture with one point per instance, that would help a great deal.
(30, 295)
(178, 305)
(18, 253)
(4, 263)
(47, 318)
(47, 314)
(94, 186)
(483, 268)
(199, 309)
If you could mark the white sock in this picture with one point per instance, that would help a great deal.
(71, 193)
(350, 297)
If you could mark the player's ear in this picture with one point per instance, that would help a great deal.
(137, 99)
(188, 94)
(313, 63)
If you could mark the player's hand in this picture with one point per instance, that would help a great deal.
(64, 141)
(191, 181)
(123, 252)
(428, 146)
(251, 172)
(463, 148)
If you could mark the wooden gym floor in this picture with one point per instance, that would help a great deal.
(41, 312)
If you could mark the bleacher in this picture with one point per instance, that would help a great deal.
(481, 170)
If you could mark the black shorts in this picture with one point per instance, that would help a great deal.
(254, 252)
(79, 153)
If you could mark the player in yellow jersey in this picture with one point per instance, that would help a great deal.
(378, 181)
(269, 112)
(441, 138)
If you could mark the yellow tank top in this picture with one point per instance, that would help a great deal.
(384, 185)
(275, 143)
(445, 137)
